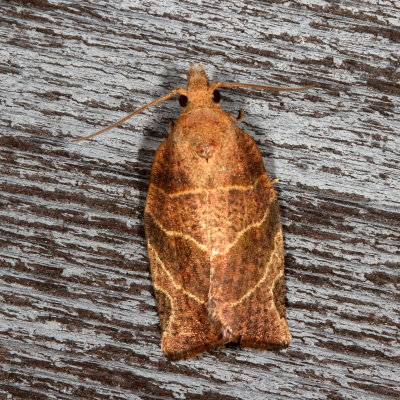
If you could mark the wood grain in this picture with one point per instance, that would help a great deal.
(77, 314)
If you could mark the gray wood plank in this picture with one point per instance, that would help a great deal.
(77, 315)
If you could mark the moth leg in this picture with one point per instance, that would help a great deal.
(276, 180)
(240, 116)
(171, 125)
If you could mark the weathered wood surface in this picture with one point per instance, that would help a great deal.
(78, 319)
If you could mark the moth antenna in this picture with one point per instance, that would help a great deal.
(132, 114)
(256, 86)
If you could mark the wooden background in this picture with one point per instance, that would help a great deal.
(77, 315)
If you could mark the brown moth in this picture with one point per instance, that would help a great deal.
(213, 230)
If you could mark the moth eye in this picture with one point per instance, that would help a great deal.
(216, 96)
(183, 100)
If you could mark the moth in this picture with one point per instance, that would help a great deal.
(213, 229)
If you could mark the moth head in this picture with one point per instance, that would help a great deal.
(199, 93)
